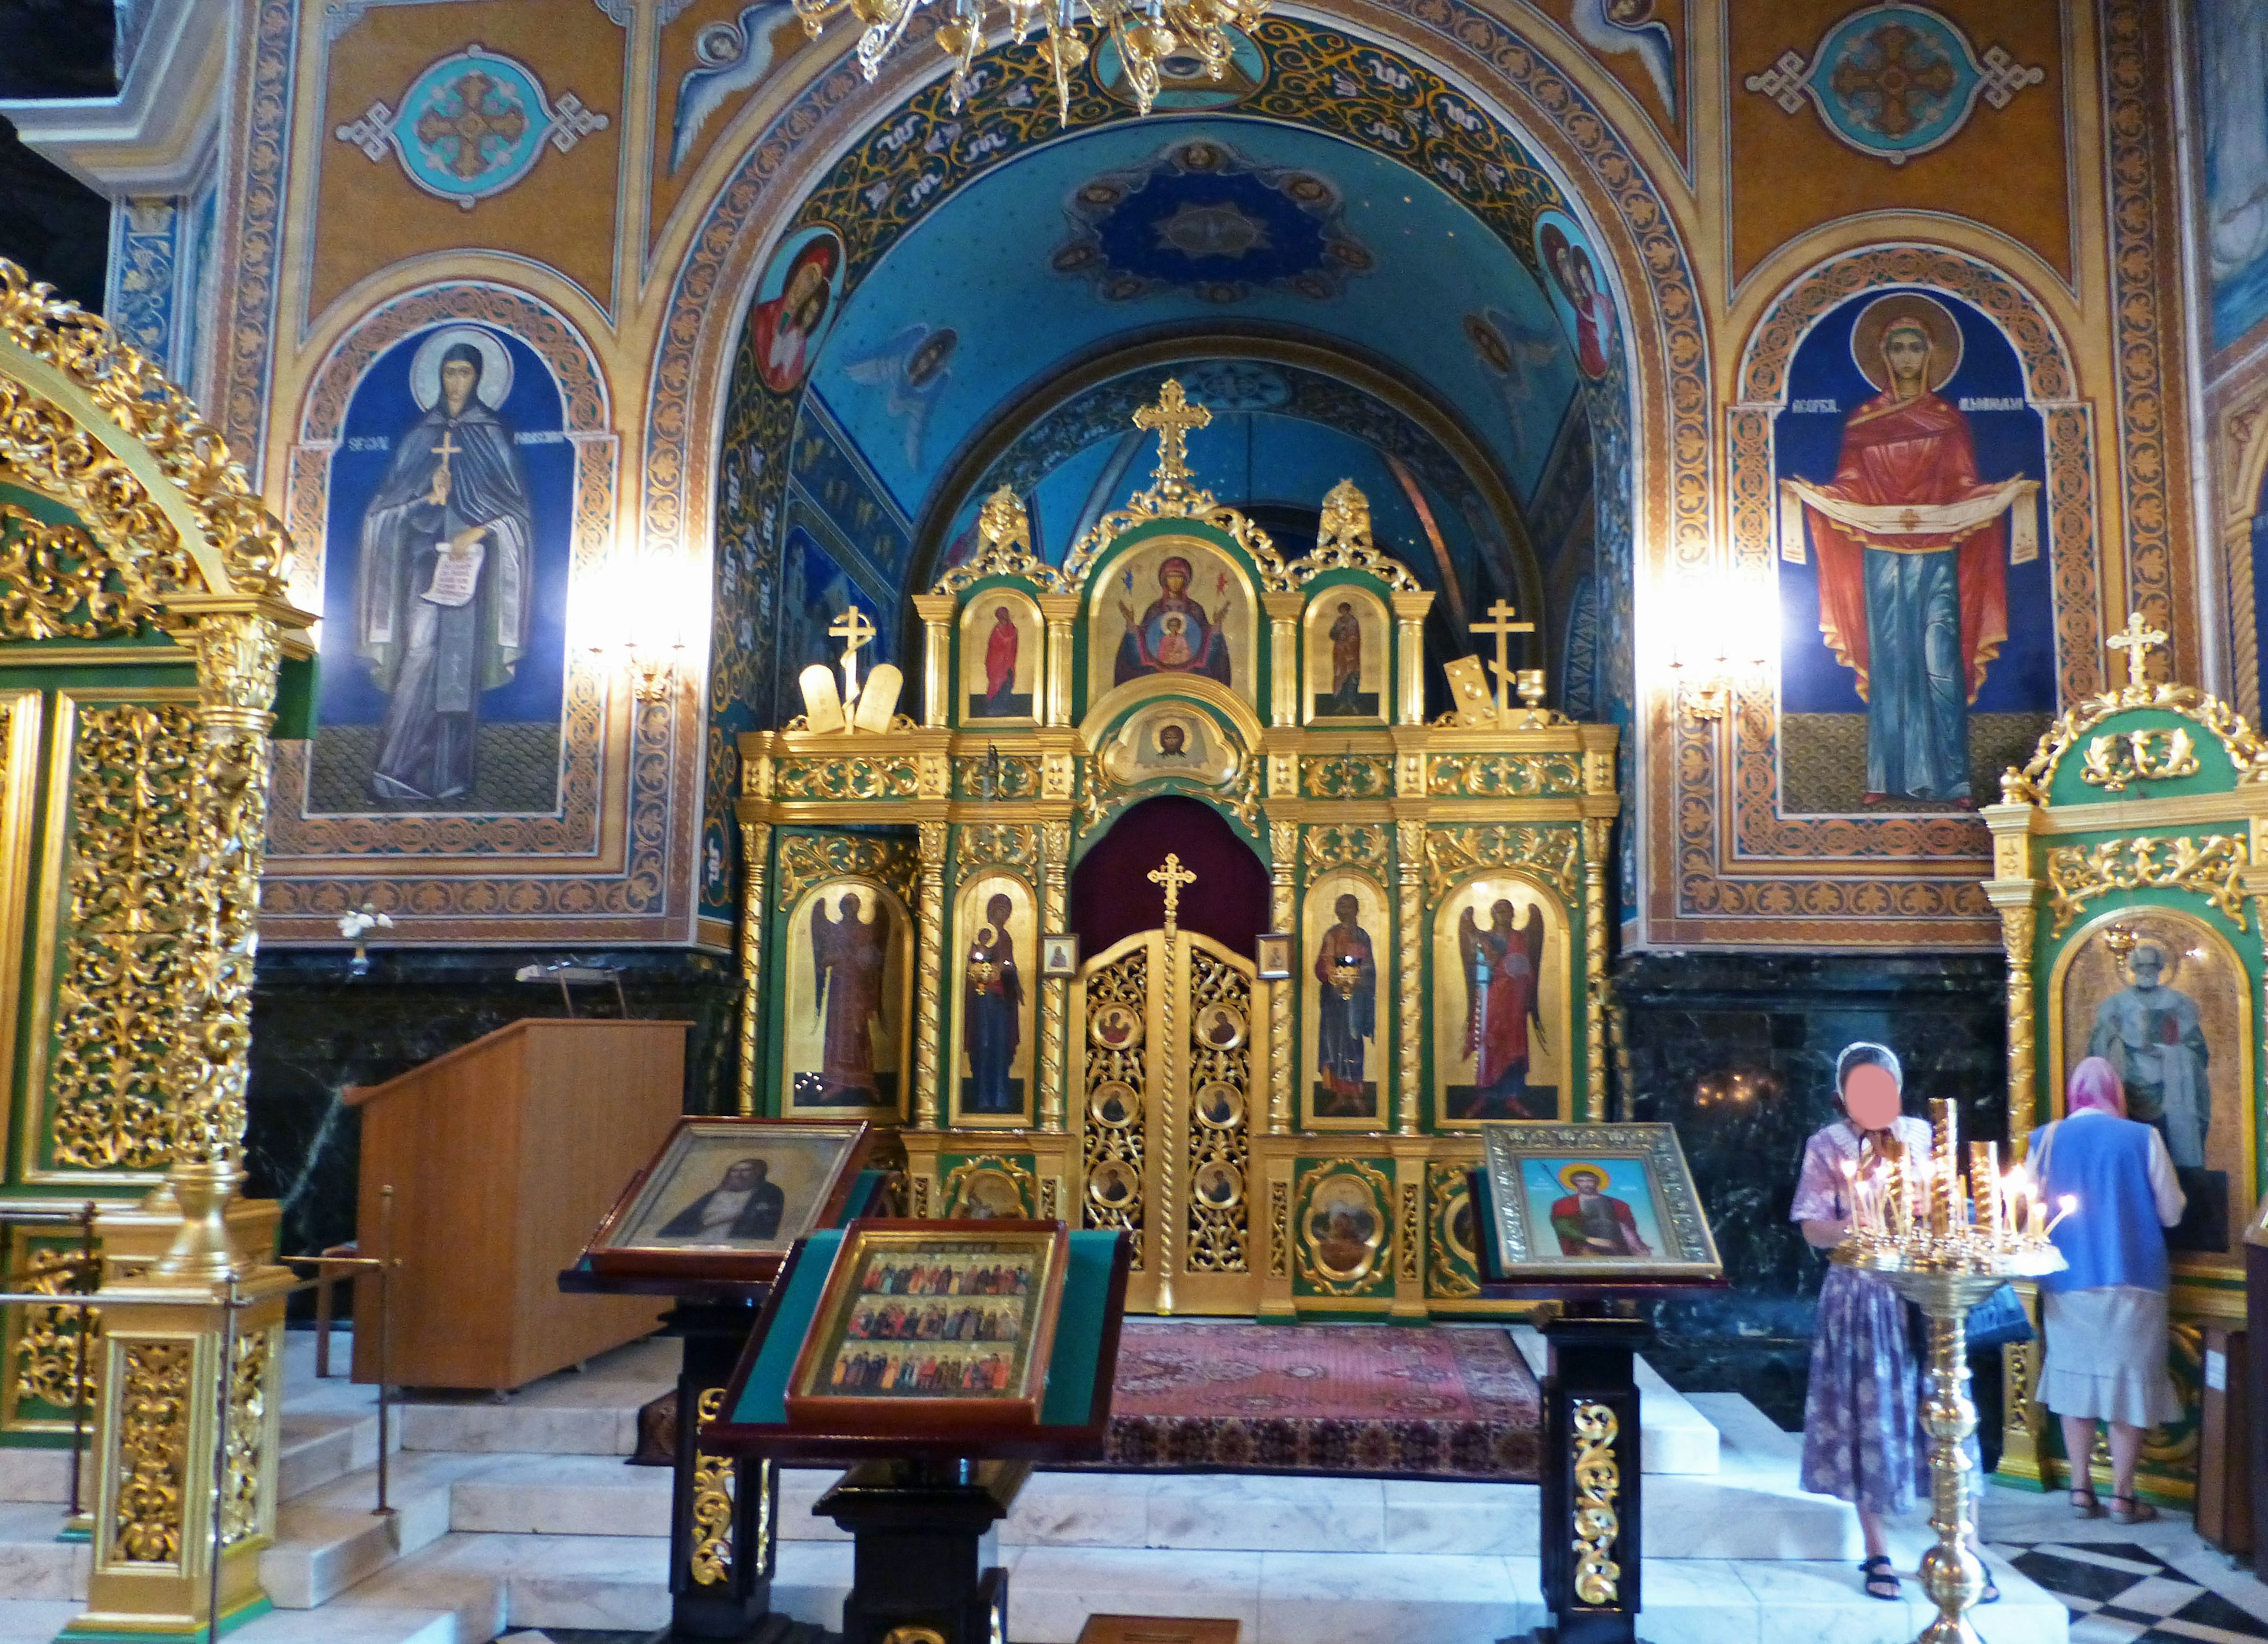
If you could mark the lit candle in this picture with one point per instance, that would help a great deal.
(2064, 1205)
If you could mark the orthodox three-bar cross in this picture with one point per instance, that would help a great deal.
(1503, 627)
(854, 631)
(1173, 876)
(2137, 639)
(1171, 419)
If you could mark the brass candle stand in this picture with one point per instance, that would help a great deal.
(1945, 1242)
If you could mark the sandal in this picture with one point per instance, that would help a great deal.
(2086, 1504)
(2136, 1510)
(1881, 1581)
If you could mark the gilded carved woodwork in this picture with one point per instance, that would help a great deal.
(2018, 927)
(1413, 1231)
(2212, 866)
(247, 1435)
(1347, 777)
(1006, 776)
(153, 1442)
(1218, 1231)
(1554, 853)
(1598, 1486)
(1505, 776)
(1279, 1229)
(125, 942)
(1283, 914)
(1410, 1022)
(929, 989)
(1369, 1275)
(1367, 845)
(56, 582)
(709, 1556)
(54, 1367)
(1112, 1146)
(807, 859)
(1055, 848)
(1598, 831)
(890, 777)
(2112, 760)
(1445, 1186)
(755, 846)
(2029, 784)
(955, 1188)
(998, 844)
(1342, 543)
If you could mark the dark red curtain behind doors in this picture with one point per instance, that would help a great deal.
(1112, 897)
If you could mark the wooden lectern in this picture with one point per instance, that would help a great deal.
(503, 1155)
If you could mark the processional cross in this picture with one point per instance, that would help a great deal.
(1173, 876)
(854, 631)
(1171, 419)
(1503, 627)
(2137, 639)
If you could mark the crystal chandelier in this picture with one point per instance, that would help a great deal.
(1146, 33)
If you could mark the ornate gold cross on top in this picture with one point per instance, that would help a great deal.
(1503, 627)
(854, 631)
(2137, 639)
(1171, 419)
(1173, 876)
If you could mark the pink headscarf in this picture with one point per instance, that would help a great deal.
(2095, 1084)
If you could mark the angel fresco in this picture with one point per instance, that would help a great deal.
(912, 369)
(849, 956)
(1175, 633)
(1503, 966)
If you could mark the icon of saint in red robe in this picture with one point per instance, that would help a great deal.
(1913, 552)
(1000, 699)
(1591, 1221)
(1503, 966)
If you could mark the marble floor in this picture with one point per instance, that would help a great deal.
(521, 1518)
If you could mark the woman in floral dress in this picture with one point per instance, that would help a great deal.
(1862, 1435)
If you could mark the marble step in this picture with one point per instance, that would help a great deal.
(34, 1621)
(1280, 1597)
(1674, 1436)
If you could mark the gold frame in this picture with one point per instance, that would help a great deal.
(2184, 1263)
(19, 790)
(1504, 1149)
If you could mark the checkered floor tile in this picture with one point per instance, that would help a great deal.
(2119, 1593)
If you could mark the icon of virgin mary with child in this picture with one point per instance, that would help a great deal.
(1176, 635)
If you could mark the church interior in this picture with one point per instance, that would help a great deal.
(1457, 694)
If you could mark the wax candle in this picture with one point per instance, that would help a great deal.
(1983, 1179)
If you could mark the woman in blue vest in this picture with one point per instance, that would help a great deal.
(2104, 1315)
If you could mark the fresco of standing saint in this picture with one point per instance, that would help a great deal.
(992, 1010)
(1346, 1010)
(850, 953)
(444, 594)
(1913, 549)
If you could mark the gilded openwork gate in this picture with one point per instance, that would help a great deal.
(1164, 1021)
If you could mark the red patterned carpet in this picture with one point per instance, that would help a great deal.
(1431, 1403)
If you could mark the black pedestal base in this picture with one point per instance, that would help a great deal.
(920, 1529)
(1592, 1486)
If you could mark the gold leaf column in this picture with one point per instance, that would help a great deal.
(1283, 915)
(755, 845)
(1054, 854)
(1411, 851)
(1598, 831)
(929, 1031)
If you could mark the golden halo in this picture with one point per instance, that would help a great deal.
(1569, 1172)
(1931, 314)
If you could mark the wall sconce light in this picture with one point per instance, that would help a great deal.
(1725, 643)
(641, 629)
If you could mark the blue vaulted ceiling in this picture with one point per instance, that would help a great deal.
(1177, 225)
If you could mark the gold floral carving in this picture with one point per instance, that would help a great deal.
(1411, 845)
(1451, 853)
(1012, 776)
(1598, 1483)
(1445, 1185)
(238, 653)
(1347, 777)
(56, 582)
(1598, 832)
(1279, 1229)
(755, 846)
(806, 860)
(124, 959)
(45, 444)
(888, 777)
(998, 844)
(1367, 845)
(1283, 854)
(1217, 1233)
(709, 1558)
(2018, 927)
(1505, 776)
(1342, 543)
(47, 1347)
(1055, 846)
(1413, 1229)
(929, 989)
(2213, 867)
(2115, 759)
(1004, 534)
(2030, 784)
(247, 1427)
(153, 1442)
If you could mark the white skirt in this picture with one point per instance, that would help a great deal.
(2106, 1355)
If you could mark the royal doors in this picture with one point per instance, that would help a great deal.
(1164, 1024)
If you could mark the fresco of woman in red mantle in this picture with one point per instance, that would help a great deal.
(1913, 550)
